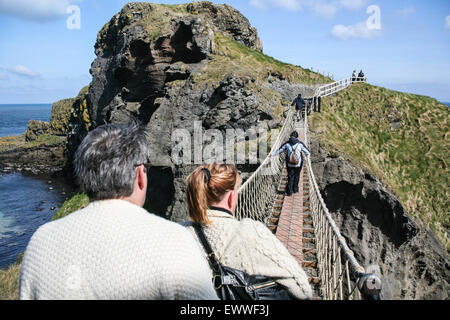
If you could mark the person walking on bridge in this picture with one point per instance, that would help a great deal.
(294, 161)
(247, 245)
(299, 103)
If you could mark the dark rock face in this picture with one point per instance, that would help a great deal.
(41, 159)
(146, 56)
(231, 21)
(132, 66)
(413, 263)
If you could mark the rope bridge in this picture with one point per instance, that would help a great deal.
(339, 270)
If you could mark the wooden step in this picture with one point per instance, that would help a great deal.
(314, 280)
(311, 272)
(309, 264)
(308, 230)
(274, 220)
(309, 251)
(307, 222)
(308, 240)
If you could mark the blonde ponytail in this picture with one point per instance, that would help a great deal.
(197, 196)
(206, 185)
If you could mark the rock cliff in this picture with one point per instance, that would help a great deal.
(412, 262)
(169, 66)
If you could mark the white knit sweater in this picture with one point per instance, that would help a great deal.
(250, 246)
(113, 249)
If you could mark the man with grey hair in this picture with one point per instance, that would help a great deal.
(113, 248)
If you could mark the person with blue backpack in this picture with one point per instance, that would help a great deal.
(294, 161)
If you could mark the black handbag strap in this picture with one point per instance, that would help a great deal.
(211, 255)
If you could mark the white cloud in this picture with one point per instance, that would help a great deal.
(20, 70)
(36, 10)
(293, 5)
(407, 11)
(358, 30)
(352, 4)
(447, 22)
(323, 8)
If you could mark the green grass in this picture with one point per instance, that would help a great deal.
(14, 142)
(411, 160)
(77, 202)
(9, 282)
(45, 139)
(232, 57)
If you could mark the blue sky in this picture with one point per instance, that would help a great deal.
(407, 49)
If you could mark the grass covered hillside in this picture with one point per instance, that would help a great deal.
(403, 139)
(232, 57)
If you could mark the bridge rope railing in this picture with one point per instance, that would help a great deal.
(339, 270)
(337, 265)
(257, 193)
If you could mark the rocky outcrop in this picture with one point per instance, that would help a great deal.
(36, 128)
(146, 46)
(413, 263)
(149, 58)
(45, 147)
(45, 157)
(60, 116)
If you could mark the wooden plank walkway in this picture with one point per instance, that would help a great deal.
(294, 225)
(290, 223)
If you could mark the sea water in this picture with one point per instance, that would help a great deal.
(25, 202)
(14, 117)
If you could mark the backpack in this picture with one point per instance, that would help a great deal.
(293, 158)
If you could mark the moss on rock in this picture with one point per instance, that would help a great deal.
(35, 128)
(59, 120)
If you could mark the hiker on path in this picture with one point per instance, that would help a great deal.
(299, 103)
(294, 161)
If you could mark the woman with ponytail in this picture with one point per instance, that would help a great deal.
(248, 245)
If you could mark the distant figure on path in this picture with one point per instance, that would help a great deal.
(113, 248)
(293, 169)
(360, 75)
(354, 76)
(299, 104)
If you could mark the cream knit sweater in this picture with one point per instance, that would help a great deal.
(113, 249)
(250, 246)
